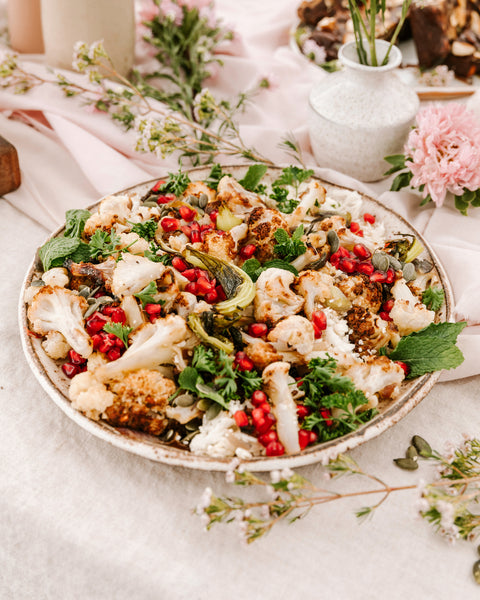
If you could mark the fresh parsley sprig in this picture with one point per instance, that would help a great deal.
(433, 298)
(119, 330)
(103, 243)
(293, 176)
(176, 184)
(145, 230)
(146, 296)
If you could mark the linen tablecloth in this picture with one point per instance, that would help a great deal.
(81, 519)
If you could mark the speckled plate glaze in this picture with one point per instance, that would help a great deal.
(52, 379)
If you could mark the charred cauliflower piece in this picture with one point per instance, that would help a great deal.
(316, 288)
(111, 210)
(235, 197)
(262, 224)
(408, 313)
(293, 333)
(219, 245)
(261, 353)
(274, 299)
(361, 291)
(197, 188)
(310, 201)
(369, 331)
(133, 273)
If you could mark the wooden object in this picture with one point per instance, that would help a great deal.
(9, 167)
(25, 26)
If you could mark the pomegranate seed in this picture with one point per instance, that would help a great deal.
(274, 449)
(361, 251)
(335, 259)
(195, 237)
(165, 198)
(326, 414)
(97, 339)
(368, 218)
(119, 343)
(359, 233)
(347, 265)
(354, 227)
(114, 354)
(366, 268)
(169, 224)
(241, 418)
(187, 213)
(248, 251)
(153, 309)
(258, 398)
(70, 370)
(211, 297)
(343, 252)
(319, 319)
(245, 364)
(390, 276)
(204, 285)
(257, 415)
(303, 438)
(179, 264)
(106, 345)
(302, 411)
(220, 293)
(385, 316)
(186, 230)
(108, 309)
(267, 423)
(265, 406)
(195, 226)
(158, 185)
(75, 358)
(192, 288)
(378, 277)
(202, 273)
(388, 305)
(257, 330)
(118, 316)
(405, 367)
(95, 323)
(266, 438)
(317, 332)
(313, 437)
(190, 274)
(213, 216)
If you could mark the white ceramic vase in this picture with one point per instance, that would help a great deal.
(361, 114)
(65, 22)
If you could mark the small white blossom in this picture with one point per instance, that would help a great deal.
(204, 502)
(287, 473)
(275, 476)
(314, 52)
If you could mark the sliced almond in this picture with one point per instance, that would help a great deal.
(462, 49)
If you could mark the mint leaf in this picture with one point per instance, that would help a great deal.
(187, 380)
(253, 268)
(431, 349)
(75, 222)
(277, 263)
(54, 252)
(433, 298)
(288, 248)
(253, 177)
(121, 331)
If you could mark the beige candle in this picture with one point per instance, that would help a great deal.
(65, 22)
(24, 26)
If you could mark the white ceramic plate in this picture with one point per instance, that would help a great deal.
(54, 382)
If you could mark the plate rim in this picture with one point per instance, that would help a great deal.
(165, 454)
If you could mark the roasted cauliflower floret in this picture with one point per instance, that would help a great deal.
(278, 387)
(89, 395)
(361, 291)
(310, 201)
(132, 311)
(261, 353)
(168, 289)
(151, 345)
(334, 339)
(197, 188)
(274, 299)
(219, 245)
(316, 288)
(55, 345)
(378, 378)
(235, 197)
(408, 313)
(293, 333)
(134, 243)
(369, 331)
(133, 273)
(92, 275)
(59, 309)
(112, 209)
(262, 224)
(58, 276)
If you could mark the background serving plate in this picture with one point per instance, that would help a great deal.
(49, 373)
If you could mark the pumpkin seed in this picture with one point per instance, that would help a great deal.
(332, 239)
(151, 203)
(421, 446)
(319, 263)
(394, 263)
(423, 266)
(169, 435)
(478, 550)
(190, 436)
(193, 200)
(411, 452)
(213, 411)
(406, 463)
(476, 571)
(185, 400)
(37, 283)
(380, 261)
(84, 291)
(409, 272)
(203, 404)
(203, 200)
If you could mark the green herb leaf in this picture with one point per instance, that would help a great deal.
(253, 177)
(433, 298)
(401, 180)
(146, 230)
(213, 179)
(75, 222)
(187, 380)
(293, 176)
(397, 161)
(146, 295)
(204, 359)
(103, 243)
(430, 349)
(54, 252)
(152, 255)
(250, 381)
(253, 268)
(278, 263)
(121, 331)
(284, 203)
(176, 184)
(289, 248)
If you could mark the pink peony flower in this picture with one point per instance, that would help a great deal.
(147, 10)
(444, 149)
